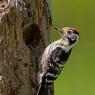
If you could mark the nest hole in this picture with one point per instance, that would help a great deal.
(32, 35)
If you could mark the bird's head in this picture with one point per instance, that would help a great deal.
(70, 34)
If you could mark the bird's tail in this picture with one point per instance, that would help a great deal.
(43, 90)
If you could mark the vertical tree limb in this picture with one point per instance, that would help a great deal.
(24, 34)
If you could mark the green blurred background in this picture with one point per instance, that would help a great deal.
(78, 77)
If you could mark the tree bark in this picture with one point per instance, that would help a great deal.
(24, 34)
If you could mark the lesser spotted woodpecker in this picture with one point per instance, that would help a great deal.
(55, 56)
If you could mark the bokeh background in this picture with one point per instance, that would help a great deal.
(78, 77)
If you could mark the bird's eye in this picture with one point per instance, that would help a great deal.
(69, 32)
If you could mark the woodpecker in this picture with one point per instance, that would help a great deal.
(55, 56)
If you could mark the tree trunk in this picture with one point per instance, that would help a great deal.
(24, 34)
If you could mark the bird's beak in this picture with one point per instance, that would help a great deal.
(59, 30)
(56, 28)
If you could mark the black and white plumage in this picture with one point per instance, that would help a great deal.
(55, 56)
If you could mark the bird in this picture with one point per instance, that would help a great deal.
(55, 57)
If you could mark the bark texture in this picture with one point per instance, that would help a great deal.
(24, 33)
